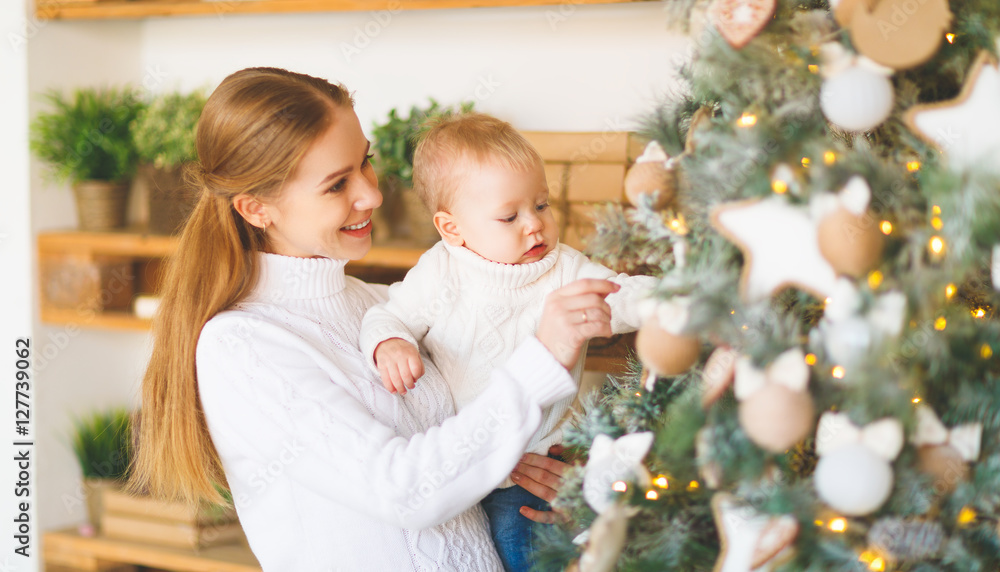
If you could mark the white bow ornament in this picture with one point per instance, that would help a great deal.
(836, 430)
(789, 369)
(966, 438)
(613, 460)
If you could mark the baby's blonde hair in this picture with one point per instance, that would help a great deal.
(467, 137)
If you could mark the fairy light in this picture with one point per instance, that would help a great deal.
(818, 522)
(874, 279)
(937, 223)
(936, 245)
(829, 157)
(779, 187)
(885, 227)
(748, 120)
(619, 486)
(652, 495)
(693, 486)
(813, 68)
(661, 481)
(637, 394)
(838, 524)
(949, 291)
(679, 225)
(745, 327)
(913, 166)
(978, 313)
(838, 371)
(806, 162)
(950, 37)
(916, 400)
(940, 324)
(877, 564)
(966, 516)
(732, 312)
(985, 351)
(826, 302)
(936, 210)
(810, 359)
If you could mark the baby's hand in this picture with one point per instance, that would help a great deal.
(398, 362)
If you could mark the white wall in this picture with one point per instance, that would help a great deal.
(16, 294)
(586, 68)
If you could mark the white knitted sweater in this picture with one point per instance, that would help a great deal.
(329, 471)
(470, 314)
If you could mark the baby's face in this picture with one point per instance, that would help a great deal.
(504, 215)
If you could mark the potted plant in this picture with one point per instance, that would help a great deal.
(85, 139)
(394, 142)
(163, 133)
(102, 443)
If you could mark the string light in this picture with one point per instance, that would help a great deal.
(885, 227)
(679, 225)
(874, 279)
(874, 561)
(829, 157)
(814, 68)
(811, 359)
(936, 209)
(913, 166)
(949, 291)
(693, 486)
(652, 495)
(806, 161)
(978, 313)
(936, 245)
(637, 394)
(745, 327)
(916, 400)
(950, 37)
(779, 187)
(661, 481)
(966, 516)
(619, 486)
(838, 524)
(937, 223)
(940, 324)
(748, 120)
(838, 372)
(827, 301)
(818, 522)
(985, 351)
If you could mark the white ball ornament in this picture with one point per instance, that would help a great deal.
(858, 98)
(853, 480)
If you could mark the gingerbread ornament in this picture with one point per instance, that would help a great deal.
(751, 541)
(739, 21)
(900, 35)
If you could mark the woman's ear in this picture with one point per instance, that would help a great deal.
(252, 210)
(447, 228)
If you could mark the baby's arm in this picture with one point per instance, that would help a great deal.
(391, 331)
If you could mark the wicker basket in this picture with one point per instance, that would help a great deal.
(170, 200)
(101, 205)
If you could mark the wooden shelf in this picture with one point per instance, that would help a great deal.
(84, 253)
(133, 9)
(69, 550)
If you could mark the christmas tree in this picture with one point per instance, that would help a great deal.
(816, 386)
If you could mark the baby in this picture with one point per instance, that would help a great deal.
(476, 295)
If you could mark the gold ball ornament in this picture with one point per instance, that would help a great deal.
(776, 417)
(648, 177)
(663, 352)
(945, 464)
(852, 244)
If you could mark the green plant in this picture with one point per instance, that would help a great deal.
(163, 131)
(395, 141)
(87, 135)
(102, 443)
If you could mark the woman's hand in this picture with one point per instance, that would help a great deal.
(572, 315)
(540, 476)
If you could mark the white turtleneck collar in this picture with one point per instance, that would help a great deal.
(285, 278)
(499, 275)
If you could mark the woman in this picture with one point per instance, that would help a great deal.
(256, 381)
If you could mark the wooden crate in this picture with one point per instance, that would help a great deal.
(177, 524)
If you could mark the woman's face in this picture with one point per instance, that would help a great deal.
(325, 208)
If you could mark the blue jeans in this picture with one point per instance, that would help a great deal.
(513, 533)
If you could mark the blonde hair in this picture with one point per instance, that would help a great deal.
(252, 133)
(452, 140)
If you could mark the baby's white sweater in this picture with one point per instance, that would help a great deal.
(470, 314)
(329, 471)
